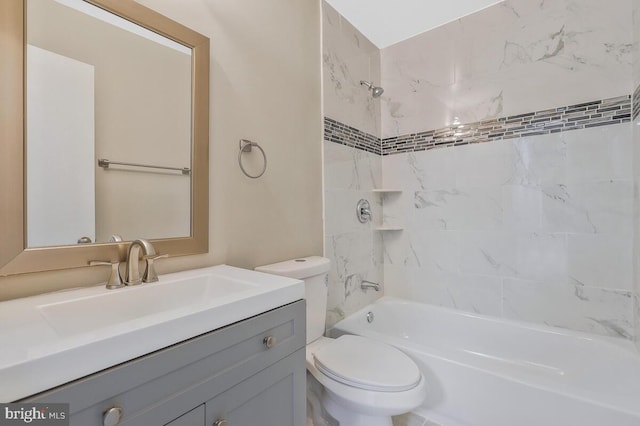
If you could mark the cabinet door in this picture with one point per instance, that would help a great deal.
(274, 396)
(194, 417)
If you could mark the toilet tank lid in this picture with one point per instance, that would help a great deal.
(300, 268)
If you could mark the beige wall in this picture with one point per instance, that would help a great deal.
(265, 86)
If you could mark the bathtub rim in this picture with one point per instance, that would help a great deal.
(619, 343)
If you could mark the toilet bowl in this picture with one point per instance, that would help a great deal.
(364, 381)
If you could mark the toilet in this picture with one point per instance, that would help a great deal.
(364, 381)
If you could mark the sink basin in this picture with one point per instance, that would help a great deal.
(90, 313)
(54, 338)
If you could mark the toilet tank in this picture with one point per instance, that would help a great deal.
(313, 271)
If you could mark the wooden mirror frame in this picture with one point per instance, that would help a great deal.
(15, 256)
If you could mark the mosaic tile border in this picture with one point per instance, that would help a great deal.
(604, 112)
(344, 134)
(636, 102)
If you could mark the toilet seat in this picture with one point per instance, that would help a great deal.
(367, 364)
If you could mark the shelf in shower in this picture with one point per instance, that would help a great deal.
(386, 191)
(389, 228)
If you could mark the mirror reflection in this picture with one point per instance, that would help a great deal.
(100, 87)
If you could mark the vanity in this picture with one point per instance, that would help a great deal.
(212, 346)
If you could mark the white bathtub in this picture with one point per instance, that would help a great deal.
(483, 371)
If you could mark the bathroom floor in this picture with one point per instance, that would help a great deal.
(411, 419)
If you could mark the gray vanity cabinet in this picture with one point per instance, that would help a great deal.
(249, 373)
(269, 398)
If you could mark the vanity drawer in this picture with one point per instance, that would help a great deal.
(157, 388)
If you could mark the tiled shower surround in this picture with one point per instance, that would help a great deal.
(515, 57)
(636, 161)
(355, 249)
(534, 228)
(352, 164)
(526, 209)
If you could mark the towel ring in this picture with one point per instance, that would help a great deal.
(245, 146)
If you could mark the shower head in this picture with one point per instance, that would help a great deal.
(375, 90)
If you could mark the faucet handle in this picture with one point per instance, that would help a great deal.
(150, 275)
(114, 279)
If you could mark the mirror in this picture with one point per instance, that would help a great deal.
(118, 94)
(114, 133)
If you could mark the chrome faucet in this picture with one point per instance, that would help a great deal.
(368, 284)
(132, 276)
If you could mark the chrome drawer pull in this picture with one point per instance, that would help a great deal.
(269, 341)
(221, 423)
(112, 416)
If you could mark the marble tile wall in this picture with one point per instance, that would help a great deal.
(355, 249)
(512, 58)
(347, 58)
(352, 164)
(534, 229)
(636, 162)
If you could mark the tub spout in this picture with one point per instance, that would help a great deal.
(368, 284)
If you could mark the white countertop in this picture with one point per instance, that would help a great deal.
(51, 339)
